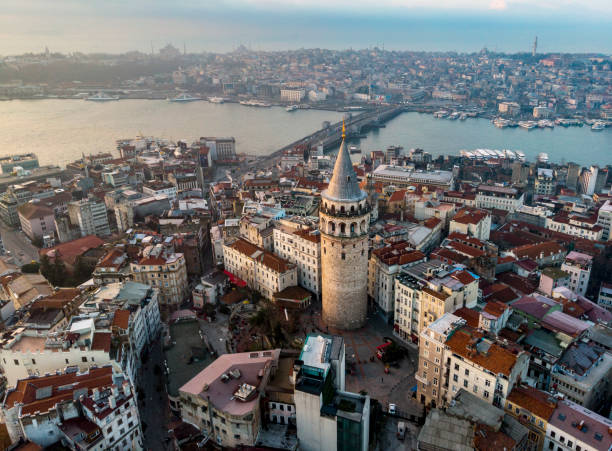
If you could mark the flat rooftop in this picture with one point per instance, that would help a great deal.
(386, 170)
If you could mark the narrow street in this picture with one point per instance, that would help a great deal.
(18, 244)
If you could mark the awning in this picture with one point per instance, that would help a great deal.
(235, 280)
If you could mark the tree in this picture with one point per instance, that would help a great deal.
(30, 268)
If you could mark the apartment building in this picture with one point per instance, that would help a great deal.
(160, 188)
(472, 222)
(221, 149)
(166, 271)
(36, 220)
(261, 270)
(534, 409)
(328, 418)
(428, 290)
(384, 264)
(112, 267)
(224, 399)
(578, 266)
(488, 369)
(499, 197)
(91, 410)
(604, 220)
(583, 375)
(292, 95)
(605, 296)
(544, 184)
(576, 225)
(575, 428)
(90, 216)
(258, 230)
(301, 245)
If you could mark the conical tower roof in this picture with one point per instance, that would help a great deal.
(343, 185)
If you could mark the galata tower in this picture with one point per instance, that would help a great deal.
(344, 222)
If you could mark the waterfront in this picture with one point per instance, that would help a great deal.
(59, 131)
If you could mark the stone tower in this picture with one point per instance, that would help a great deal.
(344, 222)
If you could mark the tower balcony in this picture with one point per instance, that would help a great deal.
(347, 213)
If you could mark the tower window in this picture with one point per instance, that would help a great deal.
(348, 178)
(343, 256)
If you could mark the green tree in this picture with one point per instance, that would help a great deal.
(30, 268)
(45, 267)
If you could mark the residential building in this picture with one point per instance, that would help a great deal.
(546, 253)
(327, 417)
(573, 174)
(544, 184)
(224, 399)
(160, 188)
(261, 270)
(166, 271)
(301, 245)
(91, 217)
(292, 95)
(428, 290)
(509, 108)
(36, 220)
(576, 225)
(604, 220)
(578, 266)
(221, 149)
(112, 267)
(472, 222)
(533, 408)
(552, 277)
(605, 296)
(573, 427)
(588, 180)
(91, 410)
(583, 375)
(257, 229)
(499, 197)
(384, 264)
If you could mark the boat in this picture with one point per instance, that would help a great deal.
(598, 126)
(291, 108)
(520, 155)
(440, 114)
(185, 98)
(463, 117)
(101, 97)
(543, 123)
(216, 99)
(501, 123)
(528, 125)
(255, 103)
(354, 149)
(454, 116)
(543, 157)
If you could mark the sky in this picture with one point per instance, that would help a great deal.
(221, 25)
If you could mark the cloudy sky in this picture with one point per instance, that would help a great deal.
(221, 25)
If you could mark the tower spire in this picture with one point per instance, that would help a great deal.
(343, 130)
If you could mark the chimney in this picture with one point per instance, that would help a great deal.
(126, 389)
(111, 402)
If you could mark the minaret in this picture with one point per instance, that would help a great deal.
(344, 216)
(535, 47)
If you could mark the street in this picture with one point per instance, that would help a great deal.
(18, 244)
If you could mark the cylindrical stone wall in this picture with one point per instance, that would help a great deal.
(344, 280)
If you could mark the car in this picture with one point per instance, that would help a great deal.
(392, 409)
(401, 430)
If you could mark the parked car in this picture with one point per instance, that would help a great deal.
(401, 430)
(392, 409)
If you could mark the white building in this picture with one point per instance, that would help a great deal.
(573, 427)
(90, 216)
(575, 225)
(499, 197)
(301, 246)
(327, 417)
(578, 266)
(384, 264)
(404, 176)
(588, 180)
(292, 95)
(472, 222)
(604, 220)
(91, 410)
(261, 270)
(156, 188)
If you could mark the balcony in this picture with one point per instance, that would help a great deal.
(421, 379)
(345, 214)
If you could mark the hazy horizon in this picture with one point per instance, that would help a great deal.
(116, 26)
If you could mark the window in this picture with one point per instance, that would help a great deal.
(16, 362)
(467, 372)
(33, 361)
(84, 359)
(552, 434)
(435, 381)
(120, 422)
(465, 383)
(109, 430)
(456, 367)
(455, 378)
(486, 394)
(475, 389)
(237, 436)
(488, 384)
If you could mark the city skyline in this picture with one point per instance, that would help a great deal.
(464, 26)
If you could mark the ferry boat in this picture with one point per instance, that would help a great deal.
(520, 155)
(354, 149)
(454, 116)
(291, 108)
(598, 126)
(185, 98)
(255, 103)
(501, 123)
(440, 114)
(463, 117)
(546, 123)
(101, 97)
(216, 99)
(543, 157)
(528, 125)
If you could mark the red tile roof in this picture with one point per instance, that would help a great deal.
(68, 252)
(101, 341)
(121, 319)
(533, 400)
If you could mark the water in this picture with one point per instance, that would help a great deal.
(59, 131)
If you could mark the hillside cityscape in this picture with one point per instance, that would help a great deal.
(185, 294)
